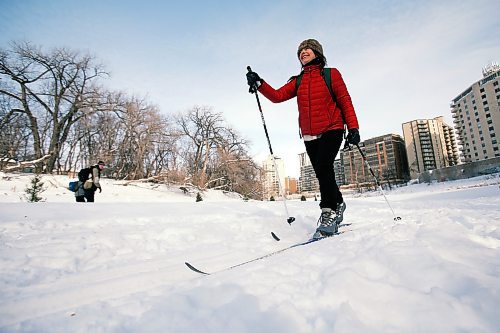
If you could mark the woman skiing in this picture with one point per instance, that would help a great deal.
(323, 112)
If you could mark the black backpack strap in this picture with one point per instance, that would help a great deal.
(327, 76)
(298, 78)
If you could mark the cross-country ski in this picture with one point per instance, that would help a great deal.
(309, 241)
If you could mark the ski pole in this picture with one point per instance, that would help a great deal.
(365, 160)
(290, 219)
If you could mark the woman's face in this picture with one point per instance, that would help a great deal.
(306, 55)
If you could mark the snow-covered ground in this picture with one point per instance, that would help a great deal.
(118, 265)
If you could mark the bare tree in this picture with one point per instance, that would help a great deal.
(200, 127)
(136, 140)
(215, 155)
(52, 90)
(139, 126)
(96, 135)
(14, 134)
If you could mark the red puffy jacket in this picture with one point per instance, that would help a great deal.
(317, 111)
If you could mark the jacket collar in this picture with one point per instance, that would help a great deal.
(311, 68)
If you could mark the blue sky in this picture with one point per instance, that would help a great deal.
(401, 60)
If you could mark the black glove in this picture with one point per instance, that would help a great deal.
(100, 189)
(254, 81)
(353, 136)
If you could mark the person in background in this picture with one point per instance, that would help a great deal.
(89, 182)
(322, 118)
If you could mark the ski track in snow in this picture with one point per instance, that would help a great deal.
(118, 265)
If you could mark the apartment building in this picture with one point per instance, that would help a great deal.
(291, 186)
(386, 155)
(338, 167)
(476, 116)
(271, 180)
(430, 145)
(307, 180)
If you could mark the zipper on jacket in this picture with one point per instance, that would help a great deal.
(309, 99)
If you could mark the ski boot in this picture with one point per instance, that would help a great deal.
(329, 221)
(339, 212)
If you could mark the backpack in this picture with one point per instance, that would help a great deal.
(73, 186)
(326, 76)
(84, 174)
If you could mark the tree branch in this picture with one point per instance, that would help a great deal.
(27, 163)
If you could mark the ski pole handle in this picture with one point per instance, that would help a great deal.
(254, 86)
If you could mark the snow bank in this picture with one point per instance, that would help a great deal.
(118, 265)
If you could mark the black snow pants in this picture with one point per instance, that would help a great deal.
(322, 152)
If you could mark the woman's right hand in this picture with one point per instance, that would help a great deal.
(254, 81)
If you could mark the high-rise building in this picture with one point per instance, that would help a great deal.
(272, 180)
(386, 155)
(476, 114)
(291, 185)
(430, 144)
(338, 167)
(307, 181)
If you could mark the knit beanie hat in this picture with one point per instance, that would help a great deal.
(312, 44)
